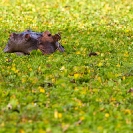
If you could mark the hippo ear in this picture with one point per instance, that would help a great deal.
(57, 37)
(27, 37)
(12, 35)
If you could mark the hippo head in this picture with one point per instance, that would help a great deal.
(33, 34)
(48, 43)
(23, 42)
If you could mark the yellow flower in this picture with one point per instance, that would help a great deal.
(112, 99)
(118, 65)
(78, 52)
(77, 75)
(21, 131)
(2, 124)
(123, 77)
(128, 111)
(100, 128)
(14, 69)
(102, 54)
(99, 79)
(126, 54)
(62, 68)
(53, 80)
(23, 80)
(107, 115)
(100, 64)
(82, 118)
(57, 114)
(30, 69)
(41, 89)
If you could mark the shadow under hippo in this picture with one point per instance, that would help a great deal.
(27, 41)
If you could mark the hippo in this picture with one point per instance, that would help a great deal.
(48, 43)
(23, 42)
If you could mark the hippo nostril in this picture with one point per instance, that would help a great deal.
(49, 34)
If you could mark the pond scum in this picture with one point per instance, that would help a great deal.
(70, 92)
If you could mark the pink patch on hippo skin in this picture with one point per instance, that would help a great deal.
(11, 35)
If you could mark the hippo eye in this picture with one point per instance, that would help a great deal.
(49, 34)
